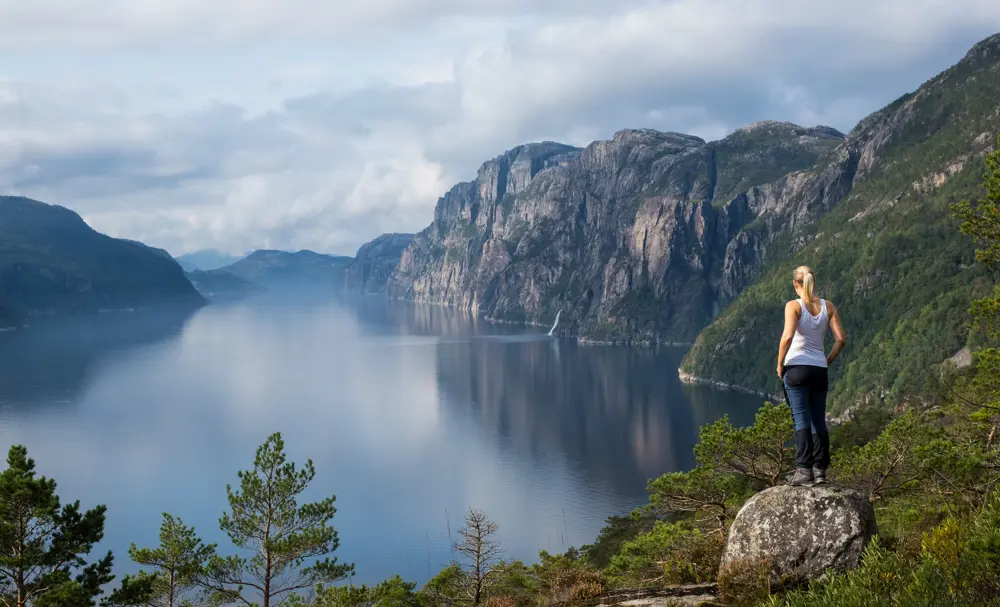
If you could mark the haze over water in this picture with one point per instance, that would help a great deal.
(411, 415)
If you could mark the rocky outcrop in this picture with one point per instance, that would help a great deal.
(962, 358)
(688, 595)
(641, 238)
(375, 262)
(800, 533)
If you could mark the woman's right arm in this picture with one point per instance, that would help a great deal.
(838, 333)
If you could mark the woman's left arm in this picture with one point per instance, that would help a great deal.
(791, 321)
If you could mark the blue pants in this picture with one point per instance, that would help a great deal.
(807, 400)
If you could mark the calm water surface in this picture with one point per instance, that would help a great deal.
(411, 415)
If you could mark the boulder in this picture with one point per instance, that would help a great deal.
(799, 533)
(682, 595)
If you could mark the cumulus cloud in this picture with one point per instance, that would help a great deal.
(362, 114)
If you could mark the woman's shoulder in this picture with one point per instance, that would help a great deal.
(830, 307)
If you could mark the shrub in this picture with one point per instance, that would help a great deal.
(672, 553)
(696, 561)
(745, 581)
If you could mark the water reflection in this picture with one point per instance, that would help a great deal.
(52, 361)
(411, 414)
(380, 316)
(620, 415)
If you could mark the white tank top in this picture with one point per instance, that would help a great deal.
(807, 344)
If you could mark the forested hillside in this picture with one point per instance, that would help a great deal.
(52, 262)
(889, 255)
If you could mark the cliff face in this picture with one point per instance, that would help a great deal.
(664, 237)
(643, 237)
(375, 262)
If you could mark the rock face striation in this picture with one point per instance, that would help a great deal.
(800, 532)
(375, 262)
(643, 237)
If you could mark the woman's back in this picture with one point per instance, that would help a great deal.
(802, 367)
(807, 346)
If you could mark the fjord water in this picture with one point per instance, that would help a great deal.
(410, 413)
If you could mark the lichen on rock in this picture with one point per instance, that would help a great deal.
(802, 533)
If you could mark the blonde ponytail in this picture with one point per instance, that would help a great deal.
(803, 275)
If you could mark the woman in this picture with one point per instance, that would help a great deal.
(802, 367)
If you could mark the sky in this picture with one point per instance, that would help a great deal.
(237, 125)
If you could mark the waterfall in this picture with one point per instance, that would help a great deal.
(556, 324)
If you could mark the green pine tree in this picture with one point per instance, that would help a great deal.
(981, 221)
(393, 592)
(288, 544)
(177, 564)
(43, 544)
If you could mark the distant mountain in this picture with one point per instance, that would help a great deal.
(52, 262)
(208, 259)
(220, 285)
(284, 269)
(375, 262)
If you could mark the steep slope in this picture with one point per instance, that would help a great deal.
(52, 262)
(375, 262)
(277, 269)
(206, 260)
(639, 238)
(890, 254)
(220, 285)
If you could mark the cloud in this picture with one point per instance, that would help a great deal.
(125, 24)
(306, 126)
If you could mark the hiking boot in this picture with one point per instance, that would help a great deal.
(819, 475)
(803, 477)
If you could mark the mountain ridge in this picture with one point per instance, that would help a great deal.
(890, 254)
(52, 262)
(271, 268)
(206, 259)
(663, 237)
